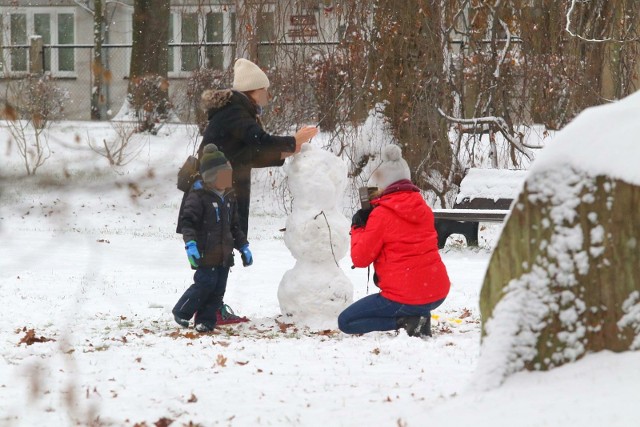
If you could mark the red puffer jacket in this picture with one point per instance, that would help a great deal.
(401, 241)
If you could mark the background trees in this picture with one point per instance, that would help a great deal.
(451, 76)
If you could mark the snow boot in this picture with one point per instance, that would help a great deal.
(226, 316)
(204, 328)
(416, 326)
(180, 321)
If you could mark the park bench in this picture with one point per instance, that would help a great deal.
(485, 195)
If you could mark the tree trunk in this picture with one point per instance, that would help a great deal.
(98, 65)
(406, 64)
(148, 92)
(563, 280)
(150, 50)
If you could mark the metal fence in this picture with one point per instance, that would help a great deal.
(71, 66)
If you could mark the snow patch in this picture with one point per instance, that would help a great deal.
(491, 184)
(631, 318)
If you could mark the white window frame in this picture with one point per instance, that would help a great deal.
(53, 13)
(227, 12)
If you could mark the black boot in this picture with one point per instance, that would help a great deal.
(416, 326)
(409, 324)
(424, 330)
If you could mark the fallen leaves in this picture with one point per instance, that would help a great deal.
(465, 313)
(30, 337)
(327, 333)
(189, 335)
(284, 326)
(221, 361)
(192, 399)
(163, 422)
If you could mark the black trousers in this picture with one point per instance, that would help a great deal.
(204, 297)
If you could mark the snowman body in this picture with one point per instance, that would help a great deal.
(316, 290)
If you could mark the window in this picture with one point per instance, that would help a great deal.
(66, 36)
(18, 31)
(189, 27)
(204, 39)
(266, 33)
(56, 26)
(215, 32)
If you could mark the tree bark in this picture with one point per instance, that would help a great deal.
(564, 273)
(405, 61)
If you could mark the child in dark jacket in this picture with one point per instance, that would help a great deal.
(211, 230)
(398, 236)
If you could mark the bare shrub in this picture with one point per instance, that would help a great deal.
(118, 151)
(31, 106)
(149, 101)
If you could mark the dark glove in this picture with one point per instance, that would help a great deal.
(360, 218)
(192, 253)
(376, 280)
(245, 254)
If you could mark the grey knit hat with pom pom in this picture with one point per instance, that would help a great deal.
(392, 169)
(211, 162)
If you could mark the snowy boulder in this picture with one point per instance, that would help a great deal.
(564, 278)
(316, 290)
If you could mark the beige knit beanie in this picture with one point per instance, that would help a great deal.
(247, 76)
(392, 169)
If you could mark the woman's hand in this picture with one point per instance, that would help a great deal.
(304, 135)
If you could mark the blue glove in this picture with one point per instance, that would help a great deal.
(192, 253)
(247, 257)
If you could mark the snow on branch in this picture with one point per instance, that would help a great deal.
(503, 55)
(500, 123)
(567, 28)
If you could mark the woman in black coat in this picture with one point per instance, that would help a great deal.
(235, 127)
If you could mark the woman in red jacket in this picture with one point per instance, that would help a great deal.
(398, 236)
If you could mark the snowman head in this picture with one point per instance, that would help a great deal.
(317, 178)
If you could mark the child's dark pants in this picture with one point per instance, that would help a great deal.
(204, 296)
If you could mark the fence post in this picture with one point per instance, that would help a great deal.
(36, 55)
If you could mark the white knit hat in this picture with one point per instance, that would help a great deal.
(392, 169)
(247, 76)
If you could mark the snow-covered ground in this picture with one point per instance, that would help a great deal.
(90, 260)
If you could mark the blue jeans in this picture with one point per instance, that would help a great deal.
(204, 297)
(377, 313)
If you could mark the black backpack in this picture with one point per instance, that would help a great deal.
(188, 174)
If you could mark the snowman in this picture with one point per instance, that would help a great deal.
(316, 290)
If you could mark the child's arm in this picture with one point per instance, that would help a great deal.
(191, 217)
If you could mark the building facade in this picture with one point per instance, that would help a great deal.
(207, 36)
